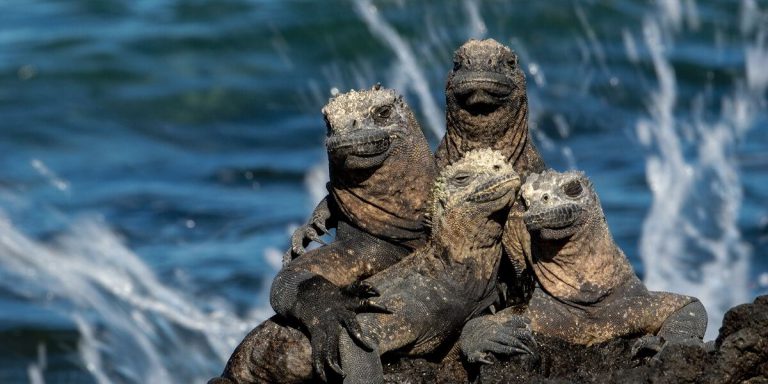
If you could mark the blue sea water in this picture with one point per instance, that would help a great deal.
(155, 155)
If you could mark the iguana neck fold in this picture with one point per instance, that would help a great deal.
(582, 269)
(381, 167)
(508, 135)
(390, 201)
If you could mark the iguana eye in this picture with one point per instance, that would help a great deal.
(461, 179)
(382, 113)
(573, 189)
(512, 60)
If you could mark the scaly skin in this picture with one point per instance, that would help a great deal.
(434, 291)
(380, 168)
(487, 107)
(587, 291)
(381, 173)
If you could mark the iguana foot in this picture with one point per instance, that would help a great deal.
(685, 326)
(330, 311)
(648, 345)
(652, 345)
(482, 337)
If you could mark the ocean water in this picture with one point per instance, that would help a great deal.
(155, 155)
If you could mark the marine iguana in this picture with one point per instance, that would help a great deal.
(381, 170)
(436, 289)
(381, 173)
(487, 107)
(587, 291)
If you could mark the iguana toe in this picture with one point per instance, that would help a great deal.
(479, 357)
(487, 335)
(647, 345)
(312, 234)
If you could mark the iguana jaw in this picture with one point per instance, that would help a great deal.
(481, 92)
(554, 223)
(362, 148)
(500, 188)
(558, 205)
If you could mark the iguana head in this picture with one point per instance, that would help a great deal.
(478, 185)
(485, 85)
(559, 204)
(363, 126)
(380, 166)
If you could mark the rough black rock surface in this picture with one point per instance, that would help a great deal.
(739, 355)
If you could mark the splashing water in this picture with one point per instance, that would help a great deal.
(690, 240)
(132, 326)
(415, 73)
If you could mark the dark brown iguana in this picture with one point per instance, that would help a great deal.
(433, 292)
(380, 167)
(381, 174)
(587, 292)
(487, 107)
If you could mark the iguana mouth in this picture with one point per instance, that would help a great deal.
(363, 148)
(493, 189)
(363, 143)
(555, 218)
(481, 92)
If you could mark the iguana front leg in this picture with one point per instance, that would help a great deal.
(685, 325)
(321, 291)
(326, 310)
(319, 222)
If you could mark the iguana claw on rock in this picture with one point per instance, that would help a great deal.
(381, 174)
(485, 336)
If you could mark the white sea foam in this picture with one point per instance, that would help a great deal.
(132, 325)
(49, 175)
(410, 66)
(36, 370)
(691, 241)
(477, 28)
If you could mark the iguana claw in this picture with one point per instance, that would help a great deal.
(652, 345)
(479, 357)
(330, 310)
(310, 232)
(484, 336)
(647, 345)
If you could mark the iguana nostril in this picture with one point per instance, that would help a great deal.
(545, 197)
